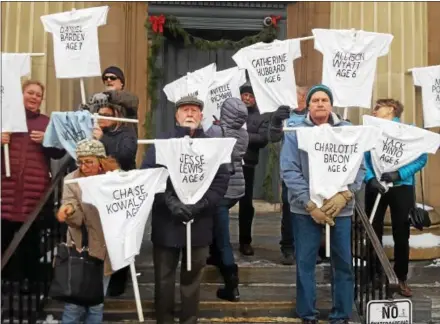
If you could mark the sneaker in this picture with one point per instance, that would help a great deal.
(246, 249)
(404, 290)
(287, 258)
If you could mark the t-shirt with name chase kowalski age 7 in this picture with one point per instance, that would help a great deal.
(270, 68)
(429, 79)
(194, 84)
(75, 40)
(226, 85)
(349, 63)
(14, 66)
(193, 163)
(124, 201)
(335, 156)
(399, 144)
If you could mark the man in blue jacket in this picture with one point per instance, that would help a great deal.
(400, 197)
(308, 220)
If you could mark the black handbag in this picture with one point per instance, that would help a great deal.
(419, 217)
(78, 277)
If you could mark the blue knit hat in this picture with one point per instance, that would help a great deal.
(319, 87)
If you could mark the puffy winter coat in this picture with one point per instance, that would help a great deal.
(233, 115)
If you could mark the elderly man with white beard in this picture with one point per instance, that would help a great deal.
(169, 232)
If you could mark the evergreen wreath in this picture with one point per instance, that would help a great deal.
(156, 25)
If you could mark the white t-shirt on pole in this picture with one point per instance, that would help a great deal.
(226, 85)
(270, 68)
(349, 63)
(124, 201)
(14, 66)
(335, 156)
(429, 79)
(399, 144)
(193, 163)
(75, 41)
(194, 83)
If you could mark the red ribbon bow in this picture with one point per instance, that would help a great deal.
(275, 20)
(157, 23)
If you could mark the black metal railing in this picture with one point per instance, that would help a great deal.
(374, 275)
(26, 263)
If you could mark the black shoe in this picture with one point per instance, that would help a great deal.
(246, 249)
(230, 291)
(287, 257)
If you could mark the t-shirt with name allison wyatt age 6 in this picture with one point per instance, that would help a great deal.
(429, 79)
(270, 68)
(335, 156)
(75, 40)
(399, 144)
(124, 201)
(226, 85)
(349, 63)
(193, 163)
(14, 66)
(194, 84)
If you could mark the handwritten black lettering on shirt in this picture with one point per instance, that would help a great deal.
(271, 68)
(71, 133)
(73, 37)
(392, 151)
(128, 199)
(336, 156)
(191, 168)
(220, 94)
(347, 64)
(436, 90)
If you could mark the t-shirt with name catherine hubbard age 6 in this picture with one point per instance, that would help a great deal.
(399, 144)
(193, 163)
(75, 40)
(124, 201)
(349, 63)
(194, 84)
(270, 68)
(429, 79)
(226, 85)
(335, 156)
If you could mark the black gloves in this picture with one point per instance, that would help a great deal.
(374, 184)
(199, 206)
(181, 212)
(390, 176)
(283, 112)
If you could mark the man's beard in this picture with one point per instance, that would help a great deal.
(191, 124)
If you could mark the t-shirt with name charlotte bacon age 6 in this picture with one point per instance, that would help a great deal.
(124, 201)
(75, 41)
(270, 68)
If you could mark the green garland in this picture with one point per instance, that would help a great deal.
(173, 27)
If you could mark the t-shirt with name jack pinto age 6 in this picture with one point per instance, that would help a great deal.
(75, 41)
(335, 156)
(349, 63)
(124, 201)
(270, 68)
(193, 163)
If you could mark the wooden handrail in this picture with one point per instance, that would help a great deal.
(378, 248)
(25, 227)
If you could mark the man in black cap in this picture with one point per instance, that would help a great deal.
(261, 129)
(168, 231)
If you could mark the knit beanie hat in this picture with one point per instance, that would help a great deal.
(90, 147)
(116, 71)
(319, 87)
(246, 88)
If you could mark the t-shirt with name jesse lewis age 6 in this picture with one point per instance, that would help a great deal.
(270, 68)
(193, 163)
(75, 40)
(124, 201)
(349, 63)
(335, 156)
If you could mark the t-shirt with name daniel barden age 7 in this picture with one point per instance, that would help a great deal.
(335, 156)
(124, 201)
(75, 41)
(270, 68)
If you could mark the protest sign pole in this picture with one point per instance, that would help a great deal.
(376, 204)
(327, 240)
(137, 296)
(83, 91)
(345, 113)
(7, 163)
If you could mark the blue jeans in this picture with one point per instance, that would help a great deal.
(72, 313)
(307, 236)
(221, 231)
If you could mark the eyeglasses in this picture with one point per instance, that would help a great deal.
(87, 163)
(109, 77)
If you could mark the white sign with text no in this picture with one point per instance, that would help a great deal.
(396, 311)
